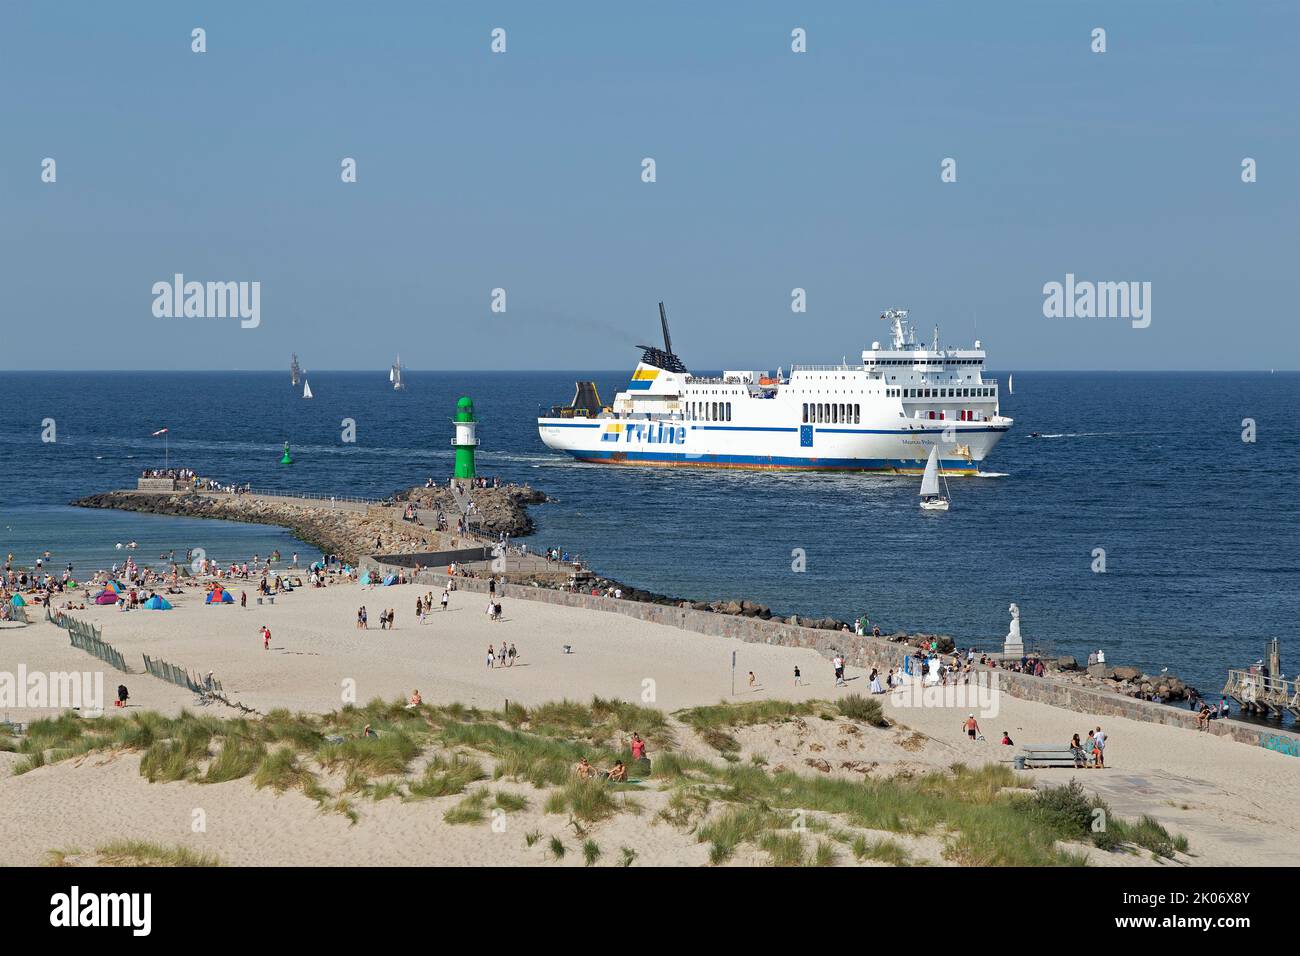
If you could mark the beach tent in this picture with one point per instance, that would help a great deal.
(106, 597)
(390, 579)
(219, 595)
(158, 603)
(17, 600)
(115, 586)
(365, 578)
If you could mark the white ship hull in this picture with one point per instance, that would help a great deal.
(881, 446)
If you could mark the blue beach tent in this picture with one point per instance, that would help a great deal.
(158, 603)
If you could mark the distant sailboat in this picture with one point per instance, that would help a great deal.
(295, 370)
(306, 389)
(395, 375)
(931, 500)
(1011, 385)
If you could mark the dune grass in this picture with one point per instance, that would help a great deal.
(725, 804)
(445, 777)
(588, 800)
(472, 809)
(281, 771)
(864, 709)
(143, 853)
(884, 851)
(745, 714)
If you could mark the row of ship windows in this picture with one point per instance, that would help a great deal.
(978, 392)
(925, 362)
(708, 411)
(822, 413)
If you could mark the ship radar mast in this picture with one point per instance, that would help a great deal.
(904, 332)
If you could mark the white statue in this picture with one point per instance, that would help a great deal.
(1013, 645)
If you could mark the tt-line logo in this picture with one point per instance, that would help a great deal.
(74, 908)
(1098, 300)
(80, 690)
(980, 696)
(209, 300)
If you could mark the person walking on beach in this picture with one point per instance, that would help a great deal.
(266, 638)
(972, 727)
(752, 679)
(875, 682)
(1099, 738)
(491, 657)
(798, 680)
(446, 595)
(513, 654)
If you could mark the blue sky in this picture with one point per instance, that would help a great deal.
(522, 170)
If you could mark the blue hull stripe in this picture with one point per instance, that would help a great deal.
(904, 431)
(763, 461)
(739, 428)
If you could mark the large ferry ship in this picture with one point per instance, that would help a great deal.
(883, 415)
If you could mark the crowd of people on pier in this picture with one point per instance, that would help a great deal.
(176, 474)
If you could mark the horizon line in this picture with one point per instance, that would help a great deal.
(620, 371)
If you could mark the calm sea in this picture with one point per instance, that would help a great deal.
(1200, 529)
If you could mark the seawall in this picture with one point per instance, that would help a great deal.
(863, 652)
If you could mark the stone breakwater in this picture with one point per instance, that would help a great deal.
(497, 511)
(351, 532)
(885, 653)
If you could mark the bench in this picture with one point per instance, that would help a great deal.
(1045, 755)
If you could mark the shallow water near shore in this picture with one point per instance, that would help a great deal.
(1201, 531)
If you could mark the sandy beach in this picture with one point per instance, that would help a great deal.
(1233, 802)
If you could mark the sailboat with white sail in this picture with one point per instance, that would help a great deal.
(1011, 384)
(306, 389)
(395, 375)
(931, 500)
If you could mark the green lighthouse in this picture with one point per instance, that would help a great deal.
(465, 442)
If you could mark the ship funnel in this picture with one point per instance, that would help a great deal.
(663, 320)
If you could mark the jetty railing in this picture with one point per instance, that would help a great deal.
(181, 677)
(313, 496)
(1262, 692)
(86, 636)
